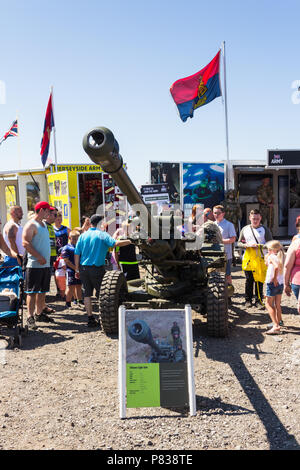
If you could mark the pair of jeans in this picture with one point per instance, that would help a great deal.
(249, 287)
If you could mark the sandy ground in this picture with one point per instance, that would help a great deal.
(60, 390)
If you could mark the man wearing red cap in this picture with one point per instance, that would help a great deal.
(37, 281)
(53, 251)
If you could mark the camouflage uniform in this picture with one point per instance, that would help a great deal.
(265, 197)
(212, 233)
(232, 208)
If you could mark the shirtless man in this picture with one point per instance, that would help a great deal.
(12, 234)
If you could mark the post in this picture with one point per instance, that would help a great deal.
(226, 117)
(190, 362)
(54, 129)
(122, 362)
(18, 137)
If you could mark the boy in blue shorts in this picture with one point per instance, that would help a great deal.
(73, 289)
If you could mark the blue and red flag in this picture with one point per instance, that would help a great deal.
(49, 123)
(197, 90)
(13, 131)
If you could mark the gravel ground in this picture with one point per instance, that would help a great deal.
(60, 390)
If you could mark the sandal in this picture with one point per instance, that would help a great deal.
(48, 310)
(274, 331)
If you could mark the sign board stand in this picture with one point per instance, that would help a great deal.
(166, 378)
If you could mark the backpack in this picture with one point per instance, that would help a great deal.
(254, 261)
(56, 262)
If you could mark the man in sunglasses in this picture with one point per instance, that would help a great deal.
(228, 235)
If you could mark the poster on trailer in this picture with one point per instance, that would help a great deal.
(203, 183)
(167, 173)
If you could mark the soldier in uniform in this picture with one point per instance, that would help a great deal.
(232, 208)
(266, 199)
(212, 233)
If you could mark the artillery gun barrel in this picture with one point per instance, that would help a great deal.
(140, 331)
(103, 149)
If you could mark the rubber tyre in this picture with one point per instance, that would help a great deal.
(112, 293)
(217, 305)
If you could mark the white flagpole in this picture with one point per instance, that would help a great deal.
(54, 130)
(226, 117)
(18, 137)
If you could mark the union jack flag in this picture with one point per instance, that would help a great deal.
(12, 132)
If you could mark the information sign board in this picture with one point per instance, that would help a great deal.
(156, 359)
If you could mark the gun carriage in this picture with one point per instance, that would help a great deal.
(175, 274)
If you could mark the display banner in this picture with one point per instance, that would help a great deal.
(156, 359)
(158, 193)
(168, 173)
(58, 188)
(283, 158)
(203, 183)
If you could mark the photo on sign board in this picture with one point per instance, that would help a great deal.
(57, 188)
(64, 188)
(58, 204)
(164, 172)
(155, 337)
(203, 183)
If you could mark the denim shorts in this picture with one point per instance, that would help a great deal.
(274, 290)
(295, 289)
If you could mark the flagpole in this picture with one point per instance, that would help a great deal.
(226, 117)
(19, 147)
(54, 130)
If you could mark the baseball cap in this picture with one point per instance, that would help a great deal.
(41, 205)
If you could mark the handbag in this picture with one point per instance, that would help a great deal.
(255, 261)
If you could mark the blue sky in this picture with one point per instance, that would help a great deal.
(112, 64)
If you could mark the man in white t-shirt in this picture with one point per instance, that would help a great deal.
(228, 235)
(253, 235)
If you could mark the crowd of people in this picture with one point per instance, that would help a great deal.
(264, 261)
(44, 248)
(77, 259)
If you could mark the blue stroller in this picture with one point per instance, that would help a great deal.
(11, 302)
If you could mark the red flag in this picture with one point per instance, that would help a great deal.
(49, 123)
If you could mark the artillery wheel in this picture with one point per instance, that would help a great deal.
(113, 292)
(217, 305)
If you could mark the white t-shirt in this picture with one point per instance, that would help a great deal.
(60, 271)
(228, 231)
(261, 233)
(271, 270)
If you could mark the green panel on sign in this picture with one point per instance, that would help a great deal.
(142, 385)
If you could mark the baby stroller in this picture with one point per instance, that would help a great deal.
(11, 302)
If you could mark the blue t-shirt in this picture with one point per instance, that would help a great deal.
(61, 235)
(68, 252)
(92, 247)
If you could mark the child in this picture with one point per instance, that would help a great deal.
(60, 276)
(274, 279)
(73, 284)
